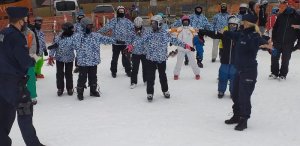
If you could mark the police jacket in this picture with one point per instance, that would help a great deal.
(283, 34)
(246, 47)
(14, 53)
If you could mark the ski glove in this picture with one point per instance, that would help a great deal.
(51, 61)
(45, 53)
(189, 47)
(129, 48)
(120, 42)
(54, 46)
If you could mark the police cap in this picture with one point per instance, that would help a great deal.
(17, 12)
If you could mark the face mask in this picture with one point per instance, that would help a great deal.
(198, 13)
(68, 33)
(154, 26)
(224, 10)
(24, 26)
(38, 26)
(120, 15)
(88, 30)
(242, 12)
(232, 28)
(185, 23)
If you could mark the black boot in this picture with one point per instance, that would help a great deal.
(220, 94)
(199, 62)
(70, 92)
(80, 93)
(60, 92)
(150, 97)
(233, 120)
(93, 91)
(114, 75)
(242, 124)
(76, 70)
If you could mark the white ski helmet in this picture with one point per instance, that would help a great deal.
(120, 7)
(264, 2)
(138, 22)
(244, 5)
(234, 20)
(158, 19)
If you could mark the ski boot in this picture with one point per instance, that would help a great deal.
(132, 86)
(167, 94)
(60, 92)
(199, 63)
(80, 93)
(70, 92)
(176, 77)
(150, 97)
(220, 94)
(197, 77)
(233, 120)
(114, 75)
(242, 124)
(93, 91)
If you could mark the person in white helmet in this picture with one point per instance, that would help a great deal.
(243, 10)
(157, 41)
(186, 34)
(138, 52)
(227, 69)
(263, 16)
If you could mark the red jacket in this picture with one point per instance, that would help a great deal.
(271, 22)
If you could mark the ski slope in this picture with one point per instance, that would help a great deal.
(194, 116)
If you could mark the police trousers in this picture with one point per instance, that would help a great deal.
(151, 69)
(64, 70)
(116, 50)
(27, 129)
(7, 118)
(136, 59)
(243, 87)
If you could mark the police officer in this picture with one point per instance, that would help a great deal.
(14, 63)
(248, 42)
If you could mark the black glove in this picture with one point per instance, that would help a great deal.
(45, 53)
(193, 49)
(202, 32)
(120, 42)
(53, 46)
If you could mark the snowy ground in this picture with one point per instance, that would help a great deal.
(193, 116)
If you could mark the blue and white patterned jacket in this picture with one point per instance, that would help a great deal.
(122, 29)
(220, 20)
(42, 42)
(196, 21)
(139, 48)
(65, 50)
(77, 27)
(87, 47)
(157, 45)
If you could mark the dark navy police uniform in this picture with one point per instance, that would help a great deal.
(14, 63)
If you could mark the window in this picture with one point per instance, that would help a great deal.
(104, 9)
(8, 1)
(65, 6)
